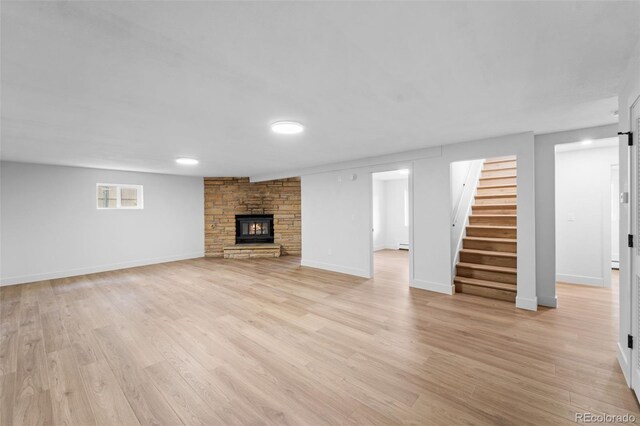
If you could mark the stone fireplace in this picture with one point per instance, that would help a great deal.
(270, 210)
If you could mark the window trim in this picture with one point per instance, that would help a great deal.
(119, 206)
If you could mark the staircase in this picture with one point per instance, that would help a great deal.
(488, 258)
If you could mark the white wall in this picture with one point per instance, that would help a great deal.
(583, 215)
(464, 180)
(51, 227)
(615, 214)
(337, 221)
(431, 225)
(389, 227)
(459, 172)
(379, 215)
(396, 232)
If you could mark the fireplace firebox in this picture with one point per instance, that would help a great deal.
(254, 228)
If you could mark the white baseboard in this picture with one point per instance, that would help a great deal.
(530, 304)
(624, 363)
(23, 279)
(335, 268)
(579, 279)
(548, 301)
(387, 246)
(447, 288)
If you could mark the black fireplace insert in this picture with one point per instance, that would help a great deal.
(254, 228)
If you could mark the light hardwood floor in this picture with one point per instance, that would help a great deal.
(214, 341)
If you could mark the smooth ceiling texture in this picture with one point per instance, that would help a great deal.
(134, 85)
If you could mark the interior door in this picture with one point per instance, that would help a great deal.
(634, 219)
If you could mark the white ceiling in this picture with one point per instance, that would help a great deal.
(133, 85)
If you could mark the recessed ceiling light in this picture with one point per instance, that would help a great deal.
(187, 161)
(287, 127)
(403, 171)
(586, 142)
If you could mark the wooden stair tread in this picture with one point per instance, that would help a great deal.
(496, 196)
(487, 265)
(492, 240)
(491, 268)
(489, 206)
(489, 253)
(497, 215)
(485, 283)
(492, 226)
(496, 186)
(498, 177)
(500, 165)
(500, 160)
(503, 185)
(495, 170)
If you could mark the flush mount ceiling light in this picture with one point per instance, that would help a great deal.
(586, 142)
(403, 171)
(187, 161)
(287, 127)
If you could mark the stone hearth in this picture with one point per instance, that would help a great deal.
(245, 251)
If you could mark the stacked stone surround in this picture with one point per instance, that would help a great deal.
(224, 197)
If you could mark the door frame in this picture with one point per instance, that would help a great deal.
(390, 168)
(633, 177)
(604, 197)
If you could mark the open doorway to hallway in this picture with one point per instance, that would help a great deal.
(587, 213)
(390, 214)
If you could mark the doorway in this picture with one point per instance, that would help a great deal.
(390, 224)
(587, 211)
(484, 209)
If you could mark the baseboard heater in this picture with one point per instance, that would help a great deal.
(403, 246)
